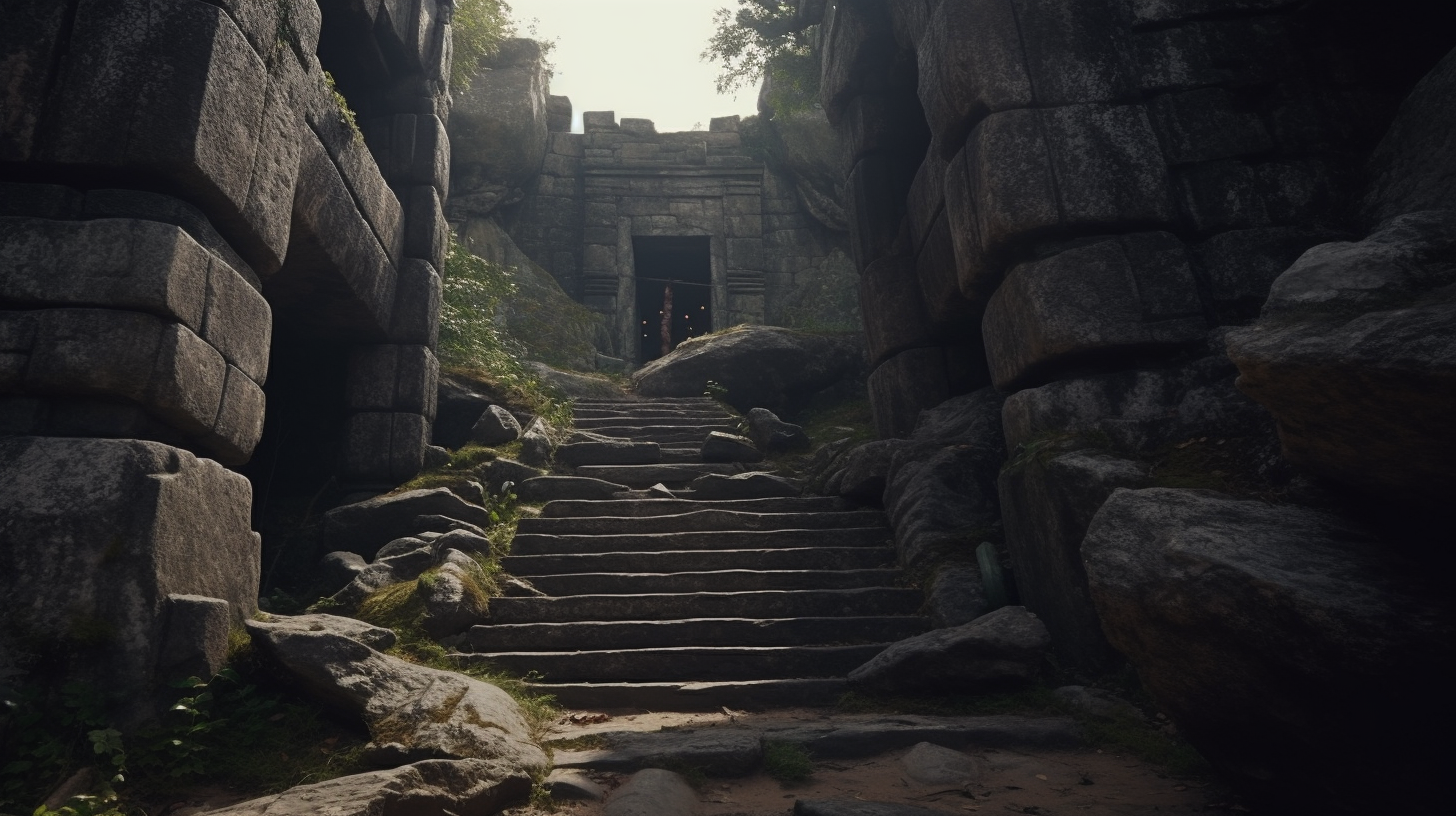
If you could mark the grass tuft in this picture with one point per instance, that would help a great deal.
(787, 762)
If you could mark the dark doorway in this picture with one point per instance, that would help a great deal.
(683, 264)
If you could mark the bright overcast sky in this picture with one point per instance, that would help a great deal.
(636, 57)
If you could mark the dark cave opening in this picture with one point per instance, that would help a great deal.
(684, 264)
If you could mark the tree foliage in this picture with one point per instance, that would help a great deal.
(476, 32)
(764, 39)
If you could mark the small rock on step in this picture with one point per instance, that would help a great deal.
(565, 488)
(496, 426)
(755, 485)
(931, 764)
(569, 785)
(726, 447)
(660, 491)
(1003, 649)
(653, 792)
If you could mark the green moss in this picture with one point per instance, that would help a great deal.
(787, 762)
(346, 113)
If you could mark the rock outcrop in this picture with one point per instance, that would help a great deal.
(467, 786)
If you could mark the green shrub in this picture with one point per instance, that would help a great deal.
(476, 32)
(787, 761)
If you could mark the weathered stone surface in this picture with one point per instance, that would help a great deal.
(650, 792)
(500, 471)
(1250, 624)
(1414, 166)
(412, 712)
(336, 569)
(536, 445)
(903, 386)
(553, 488)
(761, 366)
(1046, 505)
(383, 446)
(375, 637)
(574, 786)
(973, 417)
(863, 471)
(955, 596)
(498, 127)
(465, 786)
(366, 526)
(755, 485)
(724, 447)
(772, 434)
(100, 532)
(719, 752)
(1138, 410)
(931, 764)
(940, 497)
(195, 643)
(1117, 297)
(1360, 397)
(1097, 702)
(617, 452)
(1001, 650)
(895, 318)
(496, 426)
(452, 594)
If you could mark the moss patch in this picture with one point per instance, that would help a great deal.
(787, 762)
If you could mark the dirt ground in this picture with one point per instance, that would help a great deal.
(1088, 781)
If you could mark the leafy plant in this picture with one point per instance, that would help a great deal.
(476, 32)
(787, 761)
(764, 39)
(346, 113)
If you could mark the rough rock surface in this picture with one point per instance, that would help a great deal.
(536, 444)
(412, 712)
(468, 787)
(552, 488)
(854, 807)
(725, 447)
(496, 426)
(1283, 642)
(761, 366)
(498, 129)
(773, 435)
(1000, 650)
(651, 792)
(931, 764)
(718, 752)
(366, 526)
(756, 485)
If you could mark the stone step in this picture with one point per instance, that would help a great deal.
(815, 603)
(676, 454)
(785, 558)
(697, 696)
(637, 508)
(649, 475)
(681, 663)
(601, 416)
(548, 544)
(552, 637)
(678, 421)
(714, 520)
(642, 583)
(678, 438)
(698, 403)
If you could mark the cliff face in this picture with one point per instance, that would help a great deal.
(1203, 253)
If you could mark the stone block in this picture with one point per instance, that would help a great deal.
(98, 534)
(1120, 296)
(334, 251)
(239, 322)
(1234, 195)
(269, 205)
(1046, 506)
(858, 53)
(1208, 124)
(190, 95)
(558, 115)
(951, 315)
(419, 152)
(1025, 173)
(384, 446)
(903, 386)
(1243, 264)
(392, 378)
(1159, 12)
(239, 424)
(894, 313)
(415, 319)
(1414, 165)
(427, 233)
(594, 121)
(1206, 53)
(187, 381)
(32, 42)
(875, 203)
(570, 145)
(926, 199)
(745, 253)
(195, 639)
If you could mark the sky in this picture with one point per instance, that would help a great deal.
(639, 58)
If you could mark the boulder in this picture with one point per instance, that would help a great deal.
(536, 445)
(554, 488)
(375, 637)
(726, 447)
(931, 764)
(498, 129)
(412, 712)
(500, 471)
(653, 792)
(995, 652)
(1046, 505)
(941, 499)
(366, 526)
(496, 426)
(954, 595)
(453, 595)
(863, 471)
(973, 417)
(195, 643)
(436, 457)
(756, 485)
(464, 786)
(773, 435)
(458, 404)
(1291, 647)
(1355, 356)
(615, 452)
(337, 569)
(761, 366)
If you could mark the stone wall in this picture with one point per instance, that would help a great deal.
(1191, 245)
(182, 186)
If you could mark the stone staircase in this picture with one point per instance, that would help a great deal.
(684, 604)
